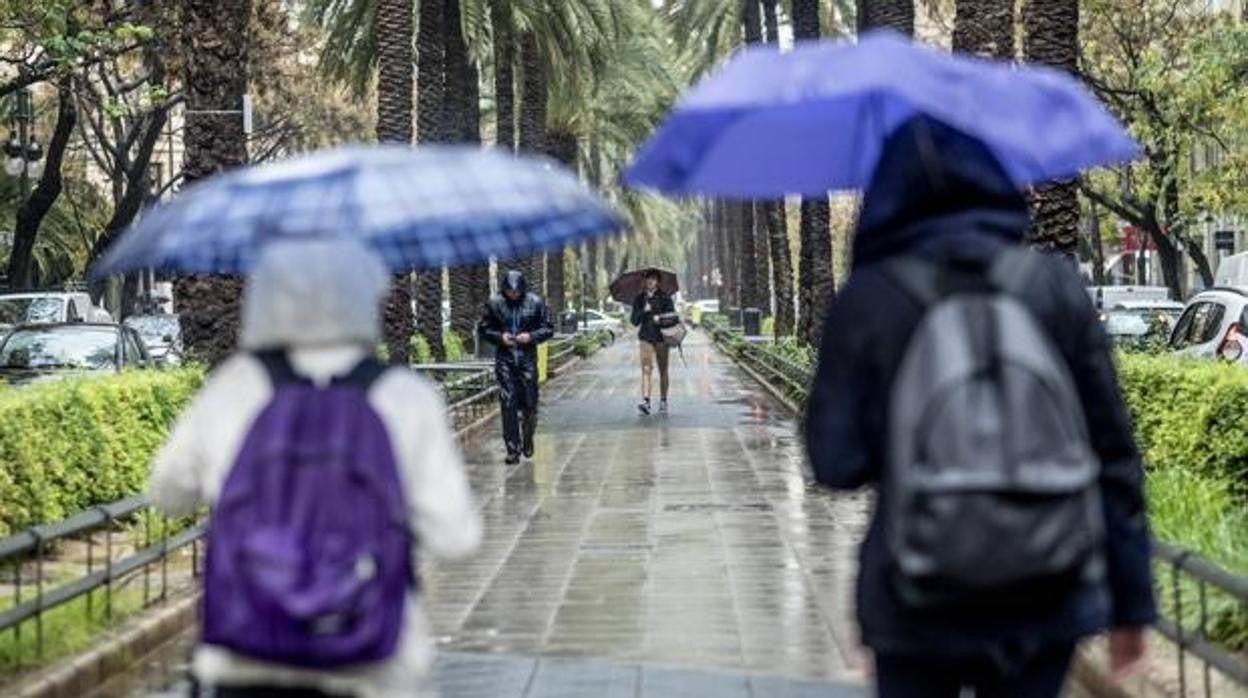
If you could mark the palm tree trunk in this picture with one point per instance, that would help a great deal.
(504, 81)
(776, 220)
(1051, 37)
(213, 43)
(726, 269)
(432, 128)
(753, 264)
(984, 28)
(464, 117)
(781, 267)
(897, 15)
(533, 95)
(394, 125)
(563, 147)
(814, 266)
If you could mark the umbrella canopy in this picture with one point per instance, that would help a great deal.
(417, 208)
(631, 283)
(812, 120)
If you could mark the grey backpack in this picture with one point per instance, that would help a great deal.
(990, 474)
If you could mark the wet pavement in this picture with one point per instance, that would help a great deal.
(680, 555)
(689, 540)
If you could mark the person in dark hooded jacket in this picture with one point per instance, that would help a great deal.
(515, 322)
(938, 194)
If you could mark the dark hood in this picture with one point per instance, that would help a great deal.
(514, 281)
(934, 186)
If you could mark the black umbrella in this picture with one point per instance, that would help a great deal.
(631, 283)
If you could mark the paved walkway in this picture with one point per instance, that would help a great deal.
(691, 540)
(678, 556)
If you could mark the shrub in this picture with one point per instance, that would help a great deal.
(72, 444)
(1189, 414)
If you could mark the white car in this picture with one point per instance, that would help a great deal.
(1106, 297)
(1214, 325)
(593, 320)
(47, 308)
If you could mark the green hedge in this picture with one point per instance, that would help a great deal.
(69, 445)
(1189, 414)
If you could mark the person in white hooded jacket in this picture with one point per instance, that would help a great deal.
(320, 301)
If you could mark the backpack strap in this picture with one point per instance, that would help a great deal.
(364, 375)
(1013, 269)
(277, 364)
(918, 278)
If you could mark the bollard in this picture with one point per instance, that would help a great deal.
(543, 361)
(752, 322)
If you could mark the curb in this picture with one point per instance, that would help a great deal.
(85, 672)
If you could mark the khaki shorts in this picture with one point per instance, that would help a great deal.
(650, 352)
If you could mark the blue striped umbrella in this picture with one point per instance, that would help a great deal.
(418, 208)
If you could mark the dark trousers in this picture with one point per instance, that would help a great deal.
(1039, 674)
(517, 394)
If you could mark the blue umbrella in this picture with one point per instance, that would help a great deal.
(417, 208)
(813, 119)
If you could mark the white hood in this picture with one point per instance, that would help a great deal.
(314, 294)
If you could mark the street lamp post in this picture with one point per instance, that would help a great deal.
(23, 154)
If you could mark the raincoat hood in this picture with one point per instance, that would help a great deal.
(935, 182)
(514, 281)
(314, 294)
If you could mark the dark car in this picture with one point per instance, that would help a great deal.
(38, 352)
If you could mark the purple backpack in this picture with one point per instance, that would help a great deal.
(309, 554)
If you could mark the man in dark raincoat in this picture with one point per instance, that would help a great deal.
(515, 322)
(939, 195)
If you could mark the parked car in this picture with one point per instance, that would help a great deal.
(1106, 297)
(38, 308)
(1214, 324)
(1129, 323)
(597, 320)
(38, 352)
(162, 336)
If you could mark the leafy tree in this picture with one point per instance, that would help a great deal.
(1176, 75)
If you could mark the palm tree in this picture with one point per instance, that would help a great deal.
(564, 148)
(532, 133)
(775, 221)
(1051, 37)
(213, 45)
(503, 42)
(470, 285)
(897, 15)
(393, 31)
(984, 28)
(816, 281)
(431, 128)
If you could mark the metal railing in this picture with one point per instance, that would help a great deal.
(1187, 589)
(140, 559)
(1189, 585)
(127, 547)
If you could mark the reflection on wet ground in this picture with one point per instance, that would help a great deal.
(691, 539)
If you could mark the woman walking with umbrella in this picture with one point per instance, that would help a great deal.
(652, 306)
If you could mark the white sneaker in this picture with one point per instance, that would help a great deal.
(644, 407)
